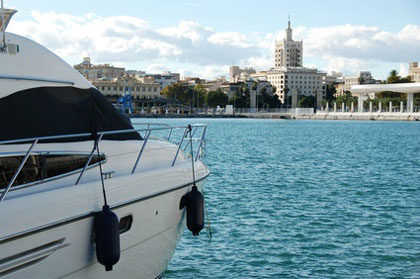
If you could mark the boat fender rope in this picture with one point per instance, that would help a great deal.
(193, 201)
(100, 169)
(107, 234)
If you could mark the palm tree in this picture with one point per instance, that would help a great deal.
(393, 77)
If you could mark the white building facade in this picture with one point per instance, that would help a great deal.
(164, 79)
(304, 81)
(364, 77)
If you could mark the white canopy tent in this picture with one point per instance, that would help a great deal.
(406, 88)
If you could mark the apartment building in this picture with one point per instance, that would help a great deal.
(92, 72)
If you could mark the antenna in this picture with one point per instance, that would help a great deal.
(3, 27)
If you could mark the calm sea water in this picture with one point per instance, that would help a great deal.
(307, 199)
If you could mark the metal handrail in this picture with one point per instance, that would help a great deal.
(88, 161)
(99, 138)
(28, 153)
(141, 151)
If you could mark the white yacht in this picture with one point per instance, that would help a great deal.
(65, 151)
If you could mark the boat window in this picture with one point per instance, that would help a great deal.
(42, 166)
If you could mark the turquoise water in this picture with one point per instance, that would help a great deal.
(307, 199)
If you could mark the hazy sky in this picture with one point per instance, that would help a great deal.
(204, 37)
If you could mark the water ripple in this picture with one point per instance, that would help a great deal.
(308, 199)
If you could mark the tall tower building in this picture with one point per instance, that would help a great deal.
(288, 53)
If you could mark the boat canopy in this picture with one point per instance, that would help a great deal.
(41, 95)
(50, 111)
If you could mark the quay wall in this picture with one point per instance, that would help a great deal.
(318, 116)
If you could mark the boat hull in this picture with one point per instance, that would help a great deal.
(67, 249)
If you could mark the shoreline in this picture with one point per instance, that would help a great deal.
(319, 116)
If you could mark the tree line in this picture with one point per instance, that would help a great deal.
(198, 97)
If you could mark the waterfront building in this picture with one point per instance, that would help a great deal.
(237, 74)
(257, 82)
(145, 93)
(288, 53)
(92, 72)
(339, 88)
(337, 80)
(213, 85)
(303, 81)
(140, 88)
(262, 75)
(333, 77)
(363, 77)
(135, 73)
(191, 81)
(289, 76)
(230, 88)
(164, 79)
(414, 72)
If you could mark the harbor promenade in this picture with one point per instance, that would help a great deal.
(298, 113)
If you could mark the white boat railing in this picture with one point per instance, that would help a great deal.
(98, 137)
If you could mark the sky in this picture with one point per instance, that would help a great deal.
(203, 38)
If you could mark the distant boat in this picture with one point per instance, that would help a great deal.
(59, 138)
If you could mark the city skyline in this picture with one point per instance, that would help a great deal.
(196, 38)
